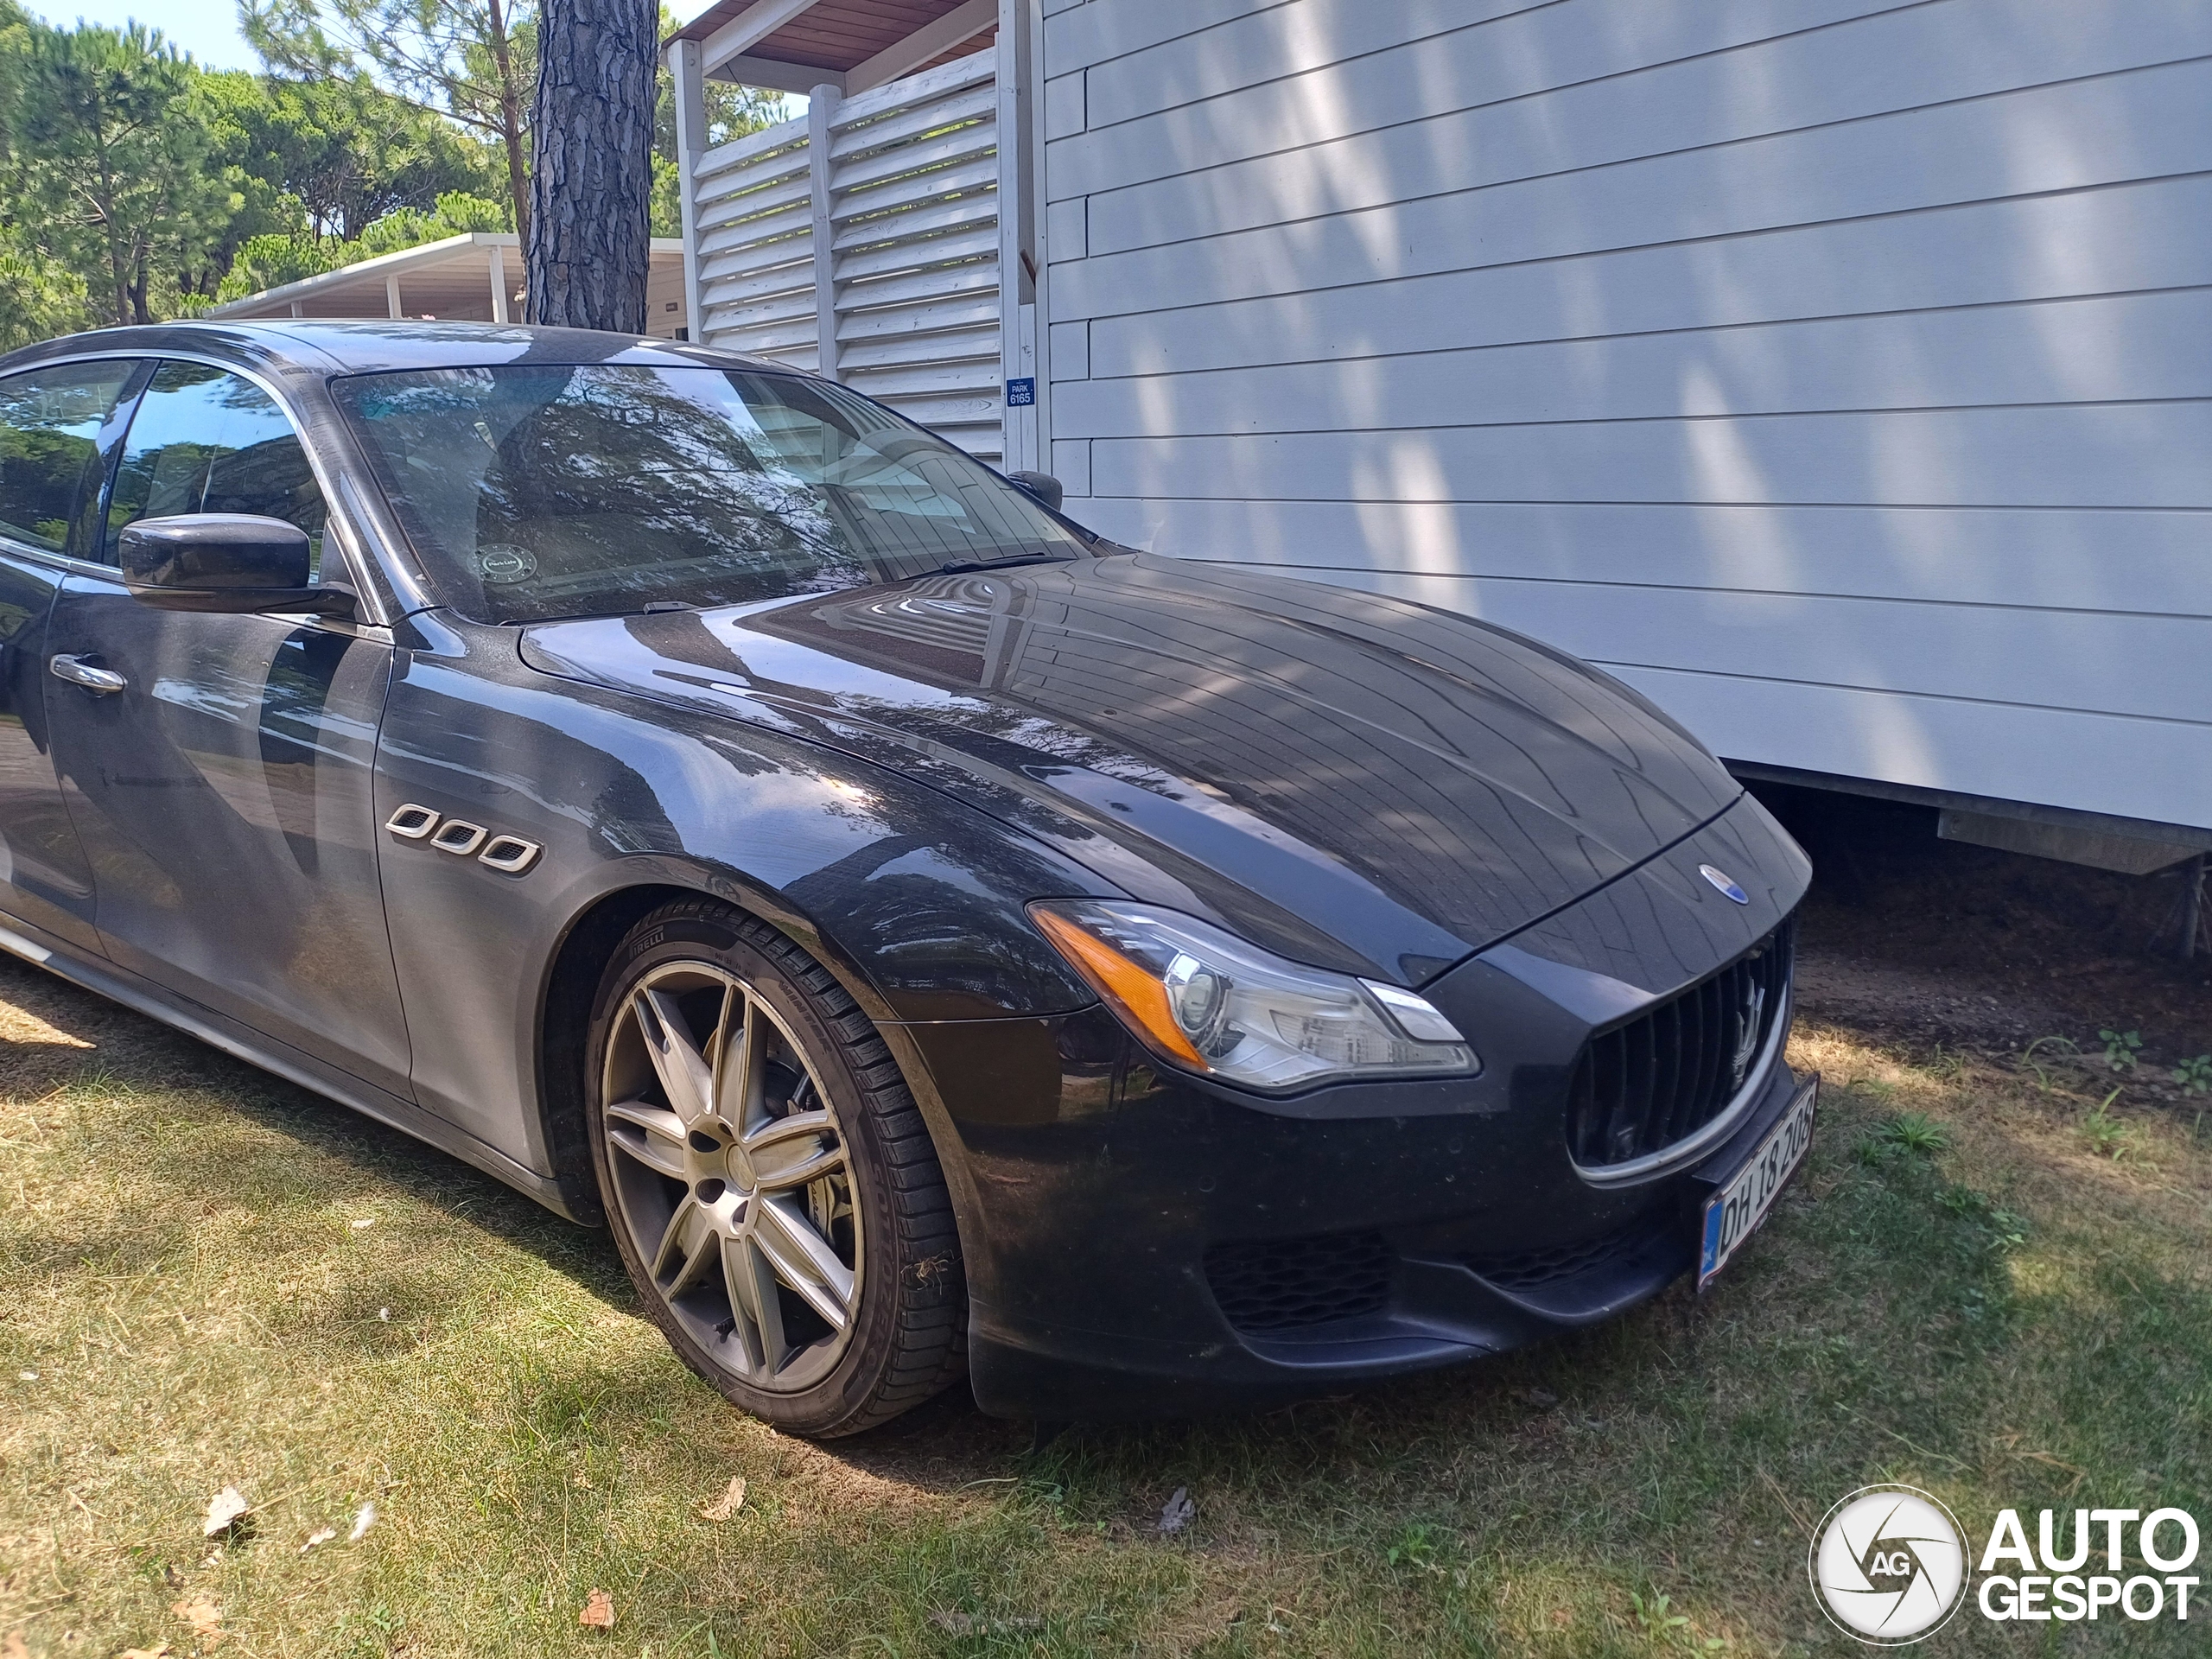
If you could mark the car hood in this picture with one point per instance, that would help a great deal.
(1354, 780)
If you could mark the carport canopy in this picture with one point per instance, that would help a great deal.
(476, 277)
(794, 46)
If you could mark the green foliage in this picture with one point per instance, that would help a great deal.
(347, 151)
(666, 208)
(731, 112)
(40, 297)
(2120, 1048)
(136, 186)
(2195, 1076)
(112, 174)
(273, 261)
(2107, 1136)
(1907, 1135)
(2056, 1044)
(473, 61)
(1415, 1548)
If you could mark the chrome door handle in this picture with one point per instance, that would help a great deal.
(103, 682)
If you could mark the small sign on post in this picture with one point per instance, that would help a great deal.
(1022, 393)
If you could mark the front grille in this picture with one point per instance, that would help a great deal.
(1281, 1284)
(1527, 1270)
(1643, 1086)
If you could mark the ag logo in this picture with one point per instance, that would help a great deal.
(1889, 1565)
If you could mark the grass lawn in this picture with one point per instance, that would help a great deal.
(210, 1279)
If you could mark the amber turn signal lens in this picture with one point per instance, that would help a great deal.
(1140, 997)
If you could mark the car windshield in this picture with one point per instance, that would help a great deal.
(535, 491)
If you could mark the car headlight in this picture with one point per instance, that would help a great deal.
(1209, 1002)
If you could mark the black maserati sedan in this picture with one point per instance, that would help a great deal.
(930, 937)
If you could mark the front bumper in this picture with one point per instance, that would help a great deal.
(1141, 1243)
(1449, 1295)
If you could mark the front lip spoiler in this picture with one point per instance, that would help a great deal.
(1687, 1150)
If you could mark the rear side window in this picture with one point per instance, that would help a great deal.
(204, 439)
(50, 422)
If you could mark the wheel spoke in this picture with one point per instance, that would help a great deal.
(792, 1151)
(759, 1316)
(683, 1071)
(744, 1304)
(804, 1259)
(684, 1247)
(651, 1135)
(671, 1236)
(779, 1216)
(737, 1079)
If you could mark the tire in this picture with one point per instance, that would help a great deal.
(752, 1215)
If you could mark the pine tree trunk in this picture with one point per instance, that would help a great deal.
(591, 183)
(511, 130)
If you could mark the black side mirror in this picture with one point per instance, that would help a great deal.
(1042, 486)
(225, 562)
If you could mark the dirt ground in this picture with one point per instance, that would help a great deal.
(1931, 941)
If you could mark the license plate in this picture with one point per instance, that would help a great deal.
(1733, 1214)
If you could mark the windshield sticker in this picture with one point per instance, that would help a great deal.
(503, 563)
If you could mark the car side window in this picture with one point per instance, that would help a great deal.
(50, 422)
(204, 439)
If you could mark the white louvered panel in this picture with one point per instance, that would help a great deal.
(913, 175)
(942, 149)
(920, 253)
(912, 121)
(910, 324)
(859, 354)
(913, 202)
(764, 288)
(790, 253)
(960, 213)
(784, 325)
(971, 374)
(751, 189)
(919, 286)
(755, 245)
(927, 90)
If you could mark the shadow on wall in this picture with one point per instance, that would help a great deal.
(1838, 387)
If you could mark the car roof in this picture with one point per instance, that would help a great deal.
(313, 346)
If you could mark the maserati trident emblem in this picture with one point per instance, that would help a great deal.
(1747, 1034)
(1724, 882)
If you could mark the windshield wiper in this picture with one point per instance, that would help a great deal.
(960, 566)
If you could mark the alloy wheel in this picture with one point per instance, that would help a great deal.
(731, 1174)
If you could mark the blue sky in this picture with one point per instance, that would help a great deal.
(206, 29)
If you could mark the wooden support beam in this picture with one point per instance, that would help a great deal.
(748, 28)
(934, 40)
(821, 110)
(777, 76)
(688, 80)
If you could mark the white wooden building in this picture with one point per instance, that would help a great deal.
(1837, 372)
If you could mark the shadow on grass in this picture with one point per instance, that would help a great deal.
(104, 1042)
(944, 1446)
